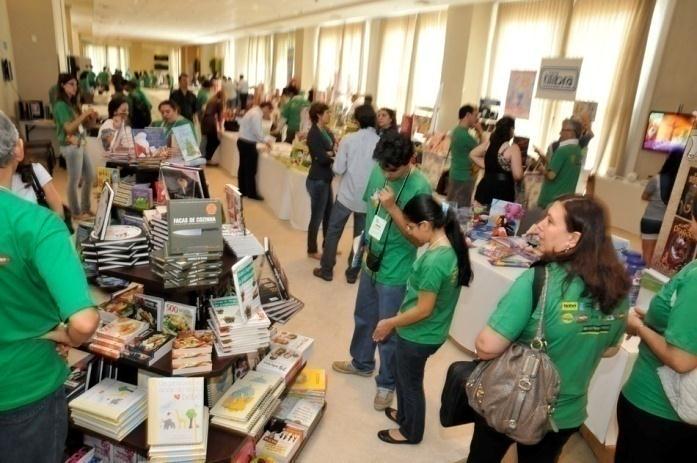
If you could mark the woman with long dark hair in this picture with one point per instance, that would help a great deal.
(71, 137)
(386, 119)
(424, 318)
(502, 164)
(320, 142)
(115, 133)
(657, 193)
(584, 320)
(651, 428)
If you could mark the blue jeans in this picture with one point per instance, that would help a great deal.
(375, 302)
(411, 402)
(36, 432)
(321, 207)
(79, 166)
(337, 221)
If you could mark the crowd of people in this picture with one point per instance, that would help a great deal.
(405, 300)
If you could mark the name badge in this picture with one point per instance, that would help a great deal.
(377, 228)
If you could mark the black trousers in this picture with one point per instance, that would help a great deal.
(644, 437)
(320, 192)
(243, 100)
(410, 360)
(489, 445)
(212, 144)
(290, 135)
(247, 170)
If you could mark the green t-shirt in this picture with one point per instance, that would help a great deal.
(41, 284)
(566, 164)
(62, 114)
(92, 79)
(577, 334)
(292, 110)
(399, 253)
(461, 145)
(673, 313)
(201, 99)
(435, 271)
(103, 79)
(177, 123)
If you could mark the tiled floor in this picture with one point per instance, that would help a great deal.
(348, 430)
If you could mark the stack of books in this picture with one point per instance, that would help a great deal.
(111, 408)
(277, 301)
(123, 195)
(121, 246)
(311, 385)
(148, 348)
(155, 223)
(121, 303)
(303, 345)
(80, 364)
(178, 317)
(511, 251)
(280, 311)
(235, 332)
(110, 340)
(249, 403)
(192, 352)
(282, 361)
(241, 242)
(177, 420)
(279, 446)
(300, 413)
(183, 270)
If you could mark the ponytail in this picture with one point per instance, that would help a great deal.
(424, 208)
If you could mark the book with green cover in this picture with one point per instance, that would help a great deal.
(186, 141)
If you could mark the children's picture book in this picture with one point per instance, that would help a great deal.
(175, 411)
(141, 196)
(242, 399)
(185, 139)
(504, 217)
(107, 175)
(178, 317)
(150, 142)
(103, 215)
(110, 399)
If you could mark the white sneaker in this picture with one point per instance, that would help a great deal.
(383, 399)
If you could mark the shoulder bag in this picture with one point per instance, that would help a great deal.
(41, 199)
(516, 392)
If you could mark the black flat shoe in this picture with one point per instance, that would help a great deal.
(318, 273)
(391, 413)
(384, 436)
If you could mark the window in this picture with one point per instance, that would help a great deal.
(284, 57)
(428, 61)
(112, 57)
(395, 62)
(329, 56)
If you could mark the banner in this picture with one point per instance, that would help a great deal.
(558, 78)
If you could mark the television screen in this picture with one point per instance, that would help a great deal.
(667, 131)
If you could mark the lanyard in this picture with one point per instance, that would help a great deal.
(389, 217)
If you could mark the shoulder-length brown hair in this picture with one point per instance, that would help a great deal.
(593, 259)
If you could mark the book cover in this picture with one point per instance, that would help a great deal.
(243, 398)
(149, 309)
(82, 455)
(291, 341)
(175, 411)
(121, 303)
(185, 139)
(679, 249)
(192, 343)
(233, 200)
(181, 182)
(279, 446)
(110, 399)
(246, 287)
(149, 142)
(299, 411)
(217, 385)
(226, 313)
(281, 361)
(122, 330)
(103, 215)
(310, 380)
(102, 447)
(275, 264)
(504, 217)
(154, 345)
(107, 175)
(194, 226)
(142, 197)
(178, 317)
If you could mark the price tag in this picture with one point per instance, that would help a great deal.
(377, 228)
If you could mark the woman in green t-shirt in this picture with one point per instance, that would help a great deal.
(70, 132)
(584, 320)
(650, 429)
(424, 318)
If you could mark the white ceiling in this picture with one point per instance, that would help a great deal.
(208, 21)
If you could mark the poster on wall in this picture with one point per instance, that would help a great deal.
(677, 245)
(582, 108)
(558, 78)
(519, 97)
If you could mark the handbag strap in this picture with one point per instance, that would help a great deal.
(538, 342)
(38, 189)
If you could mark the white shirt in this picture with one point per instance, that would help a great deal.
(250, 126)
(123, 136)
(354, 161)
(230, 89)
(26, 191)
(242, 86)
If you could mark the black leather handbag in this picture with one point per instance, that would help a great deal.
(454, 407)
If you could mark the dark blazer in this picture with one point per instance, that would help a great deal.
(321, 167)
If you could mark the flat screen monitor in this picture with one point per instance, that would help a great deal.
(667, 132)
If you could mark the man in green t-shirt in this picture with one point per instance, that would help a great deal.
(460, 181)
(291, 113)
(103, 78)
(562, 171)
(390, 255)
(91, 77)
(46, 307)
(202, 98)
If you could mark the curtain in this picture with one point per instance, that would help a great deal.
(259, 60)
(284, 55)
(428, 60)
(229, 59)
(113, 57)
(175, 63)
(615, 49)
(241, 54)
(395, 62)
(351, 54)
(328, 57)
(526, 33)
(97, 54)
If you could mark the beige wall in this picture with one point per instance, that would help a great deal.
(141, 54)
(34, 43)
(676, 83)
(8, 90)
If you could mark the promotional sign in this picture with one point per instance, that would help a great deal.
(558, 78)
(519, 96)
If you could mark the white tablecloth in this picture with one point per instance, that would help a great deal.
(479, 300)
(273, 183)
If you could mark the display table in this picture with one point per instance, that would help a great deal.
(478, 301)
(227, 154)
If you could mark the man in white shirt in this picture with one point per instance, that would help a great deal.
(242, 91)
(251, 133)
(354, 162)
(230, 89)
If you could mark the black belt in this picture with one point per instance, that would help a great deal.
(247, 141)
(502, 177)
